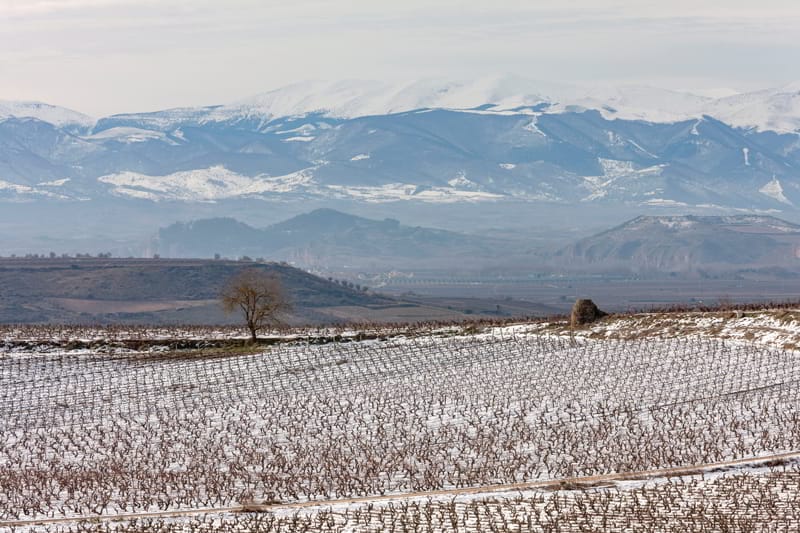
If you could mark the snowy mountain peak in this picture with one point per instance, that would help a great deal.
(497, 94)
(58, 116)
(766, 110)
(793, 87)
(775, 109)
(356, 98)
(772, 109)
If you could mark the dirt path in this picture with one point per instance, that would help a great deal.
(575, 483)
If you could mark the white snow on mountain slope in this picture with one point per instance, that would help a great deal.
(7, 187)
(55, 183)
(498, 94)
(356, 98)
(129, 135)
(461, 181)
(16, 188)
(393, 192)
(617, 177)
(533, 128)
(218, 183)
(632, 103)
(348, 99)
(773, 109)
(717, 92)
(767, 110)
(203, 185)
(58, 116)
(167, 119)
(774, 190)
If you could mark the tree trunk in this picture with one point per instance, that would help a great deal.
(253, 337)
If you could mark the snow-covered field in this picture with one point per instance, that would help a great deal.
(87, 433)
(778, 328)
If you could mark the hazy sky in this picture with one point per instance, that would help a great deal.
(106, 56)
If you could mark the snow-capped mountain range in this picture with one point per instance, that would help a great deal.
(432, 141)
(773, 109)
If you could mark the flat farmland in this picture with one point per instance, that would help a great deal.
(611, 294)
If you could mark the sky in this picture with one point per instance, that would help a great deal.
(110, 56)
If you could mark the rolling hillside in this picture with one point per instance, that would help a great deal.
(690, 244)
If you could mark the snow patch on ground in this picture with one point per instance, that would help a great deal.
(776, 328)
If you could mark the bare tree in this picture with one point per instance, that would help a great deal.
(260, 297)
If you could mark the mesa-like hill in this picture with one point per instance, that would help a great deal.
(690, 244)
(186, 291)
(89, 290)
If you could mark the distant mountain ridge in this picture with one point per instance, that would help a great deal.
(775, 109)
(487, 140)
(57, 116)
(650, 246)
(686, 244)
(326, 234)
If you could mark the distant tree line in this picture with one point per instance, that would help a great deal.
(53, 255)
(348, 284)
(242, 258)
(109, 255)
